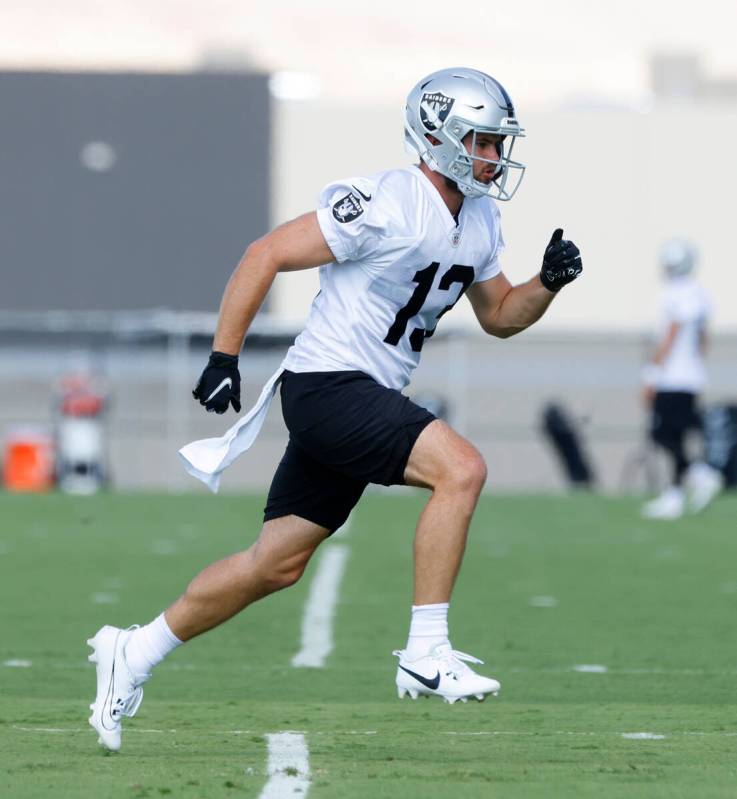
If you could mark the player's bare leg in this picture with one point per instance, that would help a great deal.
(276, 560)
(124, 658)
(455, 472)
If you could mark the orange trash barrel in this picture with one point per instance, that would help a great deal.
(28, 461)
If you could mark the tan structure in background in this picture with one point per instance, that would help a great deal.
(623, 181)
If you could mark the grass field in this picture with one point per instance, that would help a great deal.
(548, 585)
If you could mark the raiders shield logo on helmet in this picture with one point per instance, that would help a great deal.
(347, 208)
(434, 109)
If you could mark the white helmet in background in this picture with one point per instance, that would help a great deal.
(678, 257)
(449, 104)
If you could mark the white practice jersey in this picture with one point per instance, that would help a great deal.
(686, 303)
(401, 262)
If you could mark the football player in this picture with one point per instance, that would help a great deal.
(673, 381)
(396, 251)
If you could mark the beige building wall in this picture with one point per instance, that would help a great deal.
(618, 182)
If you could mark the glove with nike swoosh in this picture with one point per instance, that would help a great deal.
(561, 262)
(219, 384)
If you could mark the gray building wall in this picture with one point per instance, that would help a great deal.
(129, 191)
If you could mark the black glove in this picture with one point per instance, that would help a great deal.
(219, 384)
(561, 262)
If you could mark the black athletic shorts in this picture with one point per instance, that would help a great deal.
(345, 431)
(674, 412)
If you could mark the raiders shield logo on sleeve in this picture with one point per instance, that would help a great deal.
(434, 109)
(347, 208)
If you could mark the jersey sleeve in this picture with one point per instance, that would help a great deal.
(493, 266)
(349, 215)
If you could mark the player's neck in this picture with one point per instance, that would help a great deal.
(445, 188)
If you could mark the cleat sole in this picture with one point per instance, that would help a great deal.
(449, 700)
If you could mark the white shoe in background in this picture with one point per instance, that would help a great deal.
(703, 483)
(671, 504)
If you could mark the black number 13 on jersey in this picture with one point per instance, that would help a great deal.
(424, 279)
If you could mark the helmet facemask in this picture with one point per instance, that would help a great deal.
(507, 175)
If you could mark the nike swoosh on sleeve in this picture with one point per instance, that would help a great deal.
(223, 383)
(366, 197)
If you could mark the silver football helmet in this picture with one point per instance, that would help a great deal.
(678, 257)
(448, 105)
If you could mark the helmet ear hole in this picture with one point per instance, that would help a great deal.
(433, 141)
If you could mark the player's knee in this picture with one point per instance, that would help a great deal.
(467, 474)
(283, 576)
(476, 472)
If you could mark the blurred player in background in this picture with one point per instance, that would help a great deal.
(673, 381)
(396, 251)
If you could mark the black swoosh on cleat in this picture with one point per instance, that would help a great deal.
(429, 683)
(366, 197)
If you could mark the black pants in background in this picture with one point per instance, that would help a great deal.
(674, 414)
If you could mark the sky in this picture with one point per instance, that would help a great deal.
(548, 53)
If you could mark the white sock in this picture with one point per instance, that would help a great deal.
(149, 645)
(429, 627)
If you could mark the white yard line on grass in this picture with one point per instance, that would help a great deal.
(317, 622)
(585, 670)
(288, 767)
(601, 669)
(603, 734)
(66, 730)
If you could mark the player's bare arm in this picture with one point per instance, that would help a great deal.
(297, 244)
(504, 310)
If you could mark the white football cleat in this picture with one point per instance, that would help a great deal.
(671, 504)
(703, 483)
(119, 693)
(443, 672)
